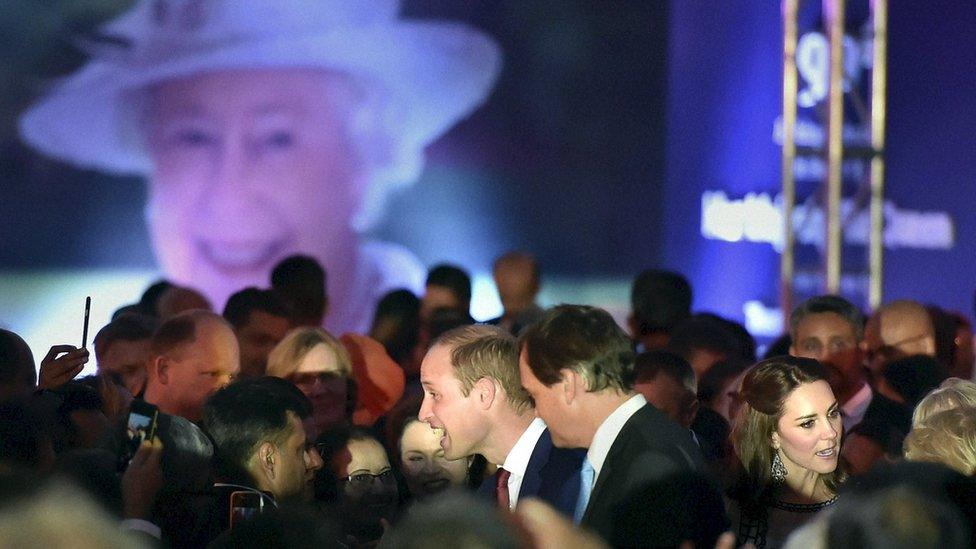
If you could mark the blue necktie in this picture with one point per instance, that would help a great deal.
(586, 486)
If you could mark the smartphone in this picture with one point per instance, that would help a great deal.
(141, 426)
(84, 331)
(244, 505)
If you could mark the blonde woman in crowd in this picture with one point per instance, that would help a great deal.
(953, 393)
(947, 437)
(318, 364)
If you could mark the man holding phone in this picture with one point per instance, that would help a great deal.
(262, 456)
(259, 440)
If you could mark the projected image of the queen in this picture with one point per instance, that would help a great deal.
(268, 128)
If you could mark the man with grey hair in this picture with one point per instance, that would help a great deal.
(268, 129)
(830, 329)
(473, 397)
(578, 366)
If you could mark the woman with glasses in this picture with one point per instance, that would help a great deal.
(357, 484)
(318, 364)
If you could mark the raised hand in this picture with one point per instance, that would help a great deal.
(58, 370)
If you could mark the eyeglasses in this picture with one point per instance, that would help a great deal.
(309, 378)
(365, 480)
(890, 350)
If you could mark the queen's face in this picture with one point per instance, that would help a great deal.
(250, 167)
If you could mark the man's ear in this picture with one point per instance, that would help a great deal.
(570, 383)
(159, 365)
(487, 391)
(267, 459)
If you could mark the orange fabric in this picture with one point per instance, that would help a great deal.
(379, 377)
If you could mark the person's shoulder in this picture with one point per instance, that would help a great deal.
(183, 434)
(650, 431)
(653, 423)
(390, 266)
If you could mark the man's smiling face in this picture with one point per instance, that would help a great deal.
(446, 406)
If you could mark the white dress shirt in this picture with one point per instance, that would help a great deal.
(518, 459)
(608, 431)
(855, 407)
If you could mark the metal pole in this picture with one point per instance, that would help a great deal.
(879, 78)
(834, 16)
(787, 262)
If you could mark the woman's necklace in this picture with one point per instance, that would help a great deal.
(803, 507)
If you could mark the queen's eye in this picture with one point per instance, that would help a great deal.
(190, 137)
(279, 139)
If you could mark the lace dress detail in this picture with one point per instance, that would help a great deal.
(772, 524)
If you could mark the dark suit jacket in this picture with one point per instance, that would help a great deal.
(649, 447)
(552, 476)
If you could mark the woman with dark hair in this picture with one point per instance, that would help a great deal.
(419, 456)
(357, 483)
(787, 437)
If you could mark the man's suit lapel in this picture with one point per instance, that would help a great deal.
(532, 481)
(608, 472)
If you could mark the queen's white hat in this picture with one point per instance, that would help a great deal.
(433, 73)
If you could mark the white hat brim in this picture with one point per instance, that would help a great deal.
(435, 73)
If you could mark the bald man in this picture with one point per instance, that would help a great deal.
(896, 330)
(516, 276)
(191, 356)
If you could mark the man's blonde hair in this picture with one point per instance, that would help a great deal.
(480, 351)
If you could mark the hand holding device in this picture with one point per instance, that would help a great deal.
(61, 364)
(142, 480)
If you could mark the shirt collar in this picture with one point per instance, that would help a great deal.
(856, 406)
(609, 429)
(517, 460)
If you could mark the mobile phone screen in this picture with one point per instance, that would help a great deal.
(141, 426)
(244, 505)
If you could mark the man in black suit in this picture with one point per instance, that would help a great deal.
(578, 366)
(472, 393)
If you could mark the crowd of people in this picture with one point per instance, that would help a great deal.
(536, 428)
(250, 400)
